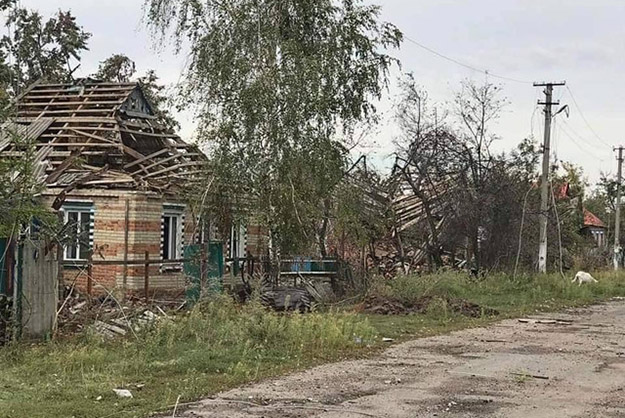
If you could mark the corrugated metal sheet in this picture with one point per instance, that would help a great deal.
(10, 130)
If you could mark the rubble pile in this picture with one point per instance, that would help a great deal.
(108, 316)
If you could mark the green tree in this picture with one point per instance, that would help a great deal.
(118, 68)
(50, 50)
(279, 86)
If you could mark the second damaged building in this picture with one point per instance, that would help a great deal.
(114, 173)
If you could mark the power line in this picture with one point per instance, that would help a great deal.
(577, 144)
(591, 145)
(584, 118)
(462, 64)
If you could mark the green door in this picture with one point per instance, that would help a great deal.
(212, 281)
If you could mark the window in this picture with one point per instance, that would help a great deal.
(172, 225)
(79, 233)
(238, 240)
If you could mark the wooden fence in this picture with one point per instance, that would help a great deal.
(37, 290)
(146, 263)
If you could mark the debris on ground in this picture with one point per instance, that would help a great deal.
(389, 306)
(535, 376)
(545, 321)
(123, 393)
(108, 316)
(287, 299)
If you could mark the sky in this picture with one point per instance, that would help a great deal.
(577, 41)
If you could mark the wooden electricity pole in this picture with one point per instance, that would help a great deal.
(544, 182)
(617, 225)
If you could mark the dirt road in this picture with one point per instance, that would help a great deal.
(573, 367)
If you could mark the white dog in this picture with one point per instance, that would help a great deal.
(583, 277)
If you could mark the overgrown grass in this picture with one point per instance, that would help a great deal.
(510, 296)
(219, 345)
(215, 346)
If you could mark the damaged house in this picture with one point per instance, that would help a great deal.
(116, 176)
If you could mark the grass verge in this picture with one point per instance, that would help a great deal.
(219, 345)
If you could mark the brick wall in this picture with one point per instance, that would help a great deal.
(145, 211)
(257, 238)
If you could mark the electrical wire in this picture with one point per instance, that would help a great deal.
(579, 145)
(584, 118)
(590, 145)
(462, 64)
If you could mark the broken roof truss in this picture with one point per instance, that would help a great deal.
(104, 128)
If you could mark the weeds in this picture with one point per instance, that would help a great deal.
(216, 345)
(502, 292)
(220, 344)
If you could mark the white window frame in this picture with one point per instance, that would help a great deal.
(81, 212)
(174, 247)
(238, 240)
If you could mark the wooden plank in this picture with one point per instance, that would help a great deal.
(109, 181)
(81, 126)
(126, 227)
(78, 144)
(132, 152)
(86, 102)
(76, 96)
(58, 171)
(66, 89)
(141, 262)
(155, 135)
(175, 167)
(146, 276)
(71, 136)
(90, 273)
(57, 112)
(65, 119)
(38, 291)
(92, 136)
(147, 157)
(160, 162)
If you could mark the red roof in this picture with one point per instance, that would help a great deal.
(590, 219)
(562, 191)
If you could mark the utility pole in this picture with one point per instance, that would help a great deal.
(617, 225)
(544, 182)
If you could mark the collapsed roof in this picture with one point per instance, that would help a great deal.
(100, 134)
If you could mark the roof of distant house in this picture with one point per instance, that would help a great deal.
(590, 219)
(562, 191)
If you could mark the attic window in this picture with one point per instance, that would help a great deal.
(133, 103)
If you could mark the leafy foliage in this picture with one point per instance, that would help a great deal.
(117, 67)
(41, 49)
(20, 186)
(276, 84)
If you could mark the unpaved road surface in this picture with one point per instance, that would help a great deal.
(578, 364)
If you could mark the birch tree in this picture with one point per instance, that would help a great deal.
(278, 87)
